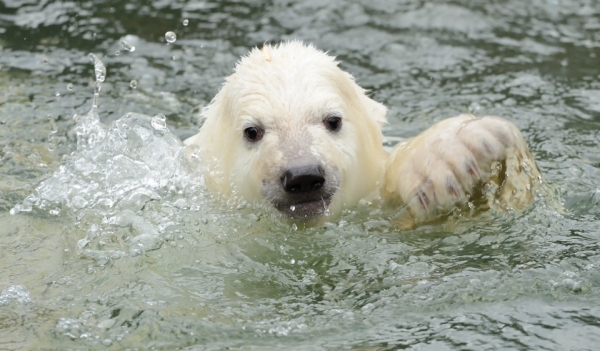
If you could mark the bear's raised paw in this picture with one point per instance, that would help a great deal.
(457, 162)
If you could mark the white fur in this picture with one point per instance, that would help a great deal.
(288, 90)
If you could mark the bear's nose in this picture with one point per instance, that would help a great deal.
(303, 179)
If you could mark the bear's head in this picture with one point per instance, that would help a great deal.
(292, 131)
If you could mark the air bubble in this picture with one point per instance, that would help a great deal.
(170, 37)
(70, 86)
(118, 52)
(102, 260)
(159, 122)
(57, 94)
(294, 226)
(292, 208)
(185, 22)
(133, 84)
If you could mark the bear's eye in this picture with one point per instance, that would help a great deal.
(333, 124)
(253, 134)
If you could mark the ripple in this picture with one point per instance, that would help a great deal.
(112, 227)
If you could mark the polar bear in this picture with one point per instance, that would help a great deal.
(289, 130)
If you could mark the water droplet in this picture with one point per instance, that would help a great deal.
(70, 86)
(118, 52)
(292, 261)
(99, 68)
(57, 93)
(127, 46)
(159, 122)
(185, 22)
(133, 84)
(292, 208)
(107, 342)
(294, 226)
(45, 60)
(170, 37)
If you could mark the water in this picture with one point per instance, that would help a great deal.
(207, 275)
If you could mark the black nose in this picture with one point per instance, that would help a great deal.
(303, 179)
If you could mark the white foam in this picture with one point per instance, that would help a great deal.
(16, 293)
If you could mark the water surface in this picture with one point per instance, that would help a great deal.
(203, 275)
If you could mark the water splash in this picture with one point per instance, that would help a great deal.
(89, 130)
(100, 72)
(159, 122)
(115, 172)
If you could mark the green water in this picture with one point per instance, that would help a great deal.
(236, 279)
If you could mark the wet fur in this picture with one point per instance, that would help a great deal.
(288, 90)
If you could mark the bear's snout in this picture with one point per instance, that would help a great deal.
(303, 179)
(304, 190)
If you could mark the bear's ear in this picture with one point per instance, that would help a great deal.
(375, 109)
